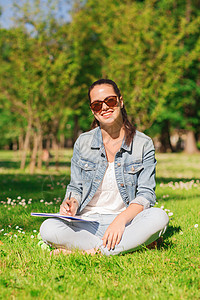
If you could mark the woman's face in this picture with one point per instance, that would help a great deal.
(107, 115)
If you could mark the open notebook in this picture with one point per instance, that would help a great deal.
(67, 218)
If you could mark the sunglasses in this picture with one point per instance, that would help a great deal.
(110, 101)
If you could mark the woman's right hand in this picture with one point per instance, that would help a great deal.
(69, 207)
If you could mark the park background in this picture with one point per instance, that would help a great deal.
(50, 53)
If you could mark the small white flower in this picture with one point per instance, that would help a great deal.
(34, 230)
(17, 227)
(32, 236)
(2, 229)
(162, 206)
(5, 233)
(45, 247)
(181, 233)
(15, 235)
(23, 232)
(19, 231)
(196, 226)
(41, 200)
(170, 214)
(19, 197)
(9, 226)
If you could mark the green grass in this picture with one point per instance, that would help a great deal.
(27, 271)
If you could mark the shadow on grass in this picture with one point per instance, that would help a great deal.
(16, 164)
(166, 243)
(33, 186)
(173, 179)
(10, 164)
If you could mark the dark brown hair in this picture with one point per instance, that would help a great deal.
(128, 127)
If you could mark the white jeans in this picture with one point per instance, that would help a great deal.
(145, 228)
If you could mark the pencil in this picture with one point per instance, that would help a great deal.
(70, 194)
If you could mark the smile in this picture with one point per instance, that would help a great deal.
(106, 114)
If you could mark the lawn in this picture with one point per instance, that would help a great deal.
(26, 270)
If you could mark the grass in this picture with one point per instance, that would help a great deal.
(26, 271)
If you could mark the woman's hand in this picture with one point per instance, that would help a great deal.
(114, 233)
(115, 230)
(69, 207)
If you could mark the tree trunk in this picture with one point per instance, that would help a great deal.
(188, 10)
(34, 153)
(76, 129)
(190, 143)
(21, 142)
(46, 153)
(14, 145)
(166, 145)
(26, 145)
(40, 153)
(62, 141)
(56, 148)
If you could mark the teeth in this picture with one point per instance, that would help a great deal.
(106, 114)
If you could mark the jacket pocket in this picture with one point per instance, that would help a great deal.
(131, 172)
(87, 169)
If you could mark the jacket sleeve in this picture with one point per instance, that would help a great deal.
(146, 179)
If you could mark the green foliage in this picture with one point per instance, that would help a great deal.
(150, 48)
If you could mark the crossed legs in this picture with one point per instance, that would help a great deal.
(144, 229)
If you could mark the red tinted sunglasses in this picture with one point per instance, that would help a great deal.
(110, 101)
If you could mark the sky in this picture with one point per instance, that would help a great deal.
(6, 7)
(7, 12)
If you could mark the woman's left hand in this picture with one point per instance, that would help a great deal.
(114, 233)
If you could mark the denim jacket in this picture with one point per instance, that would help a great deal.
(134, 169)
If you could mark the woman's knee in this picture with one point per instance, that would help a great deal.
(47, 230)
(160, 217)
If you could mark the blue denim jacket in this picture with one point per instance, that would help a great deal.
(134, 169)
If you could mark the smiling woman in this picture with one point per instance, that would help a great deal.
(112, 181)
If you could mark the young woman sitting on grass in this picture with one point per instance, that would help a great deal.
(112, 181)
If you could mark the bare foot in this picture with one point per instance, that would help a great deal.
(59, 251)
(153, 245)
(92, 251)
(156, 243)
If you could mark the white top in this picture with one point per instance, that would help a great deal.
(107, 199)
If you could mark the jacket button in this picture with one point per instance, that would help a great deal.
(119, 164)
(122, 184)
(86, 165)
(127, 202)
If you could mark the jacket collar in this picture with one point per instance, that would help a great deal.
(125, 147)
(97, 141)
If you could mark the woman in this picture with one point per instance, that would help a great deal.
(112, 181)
